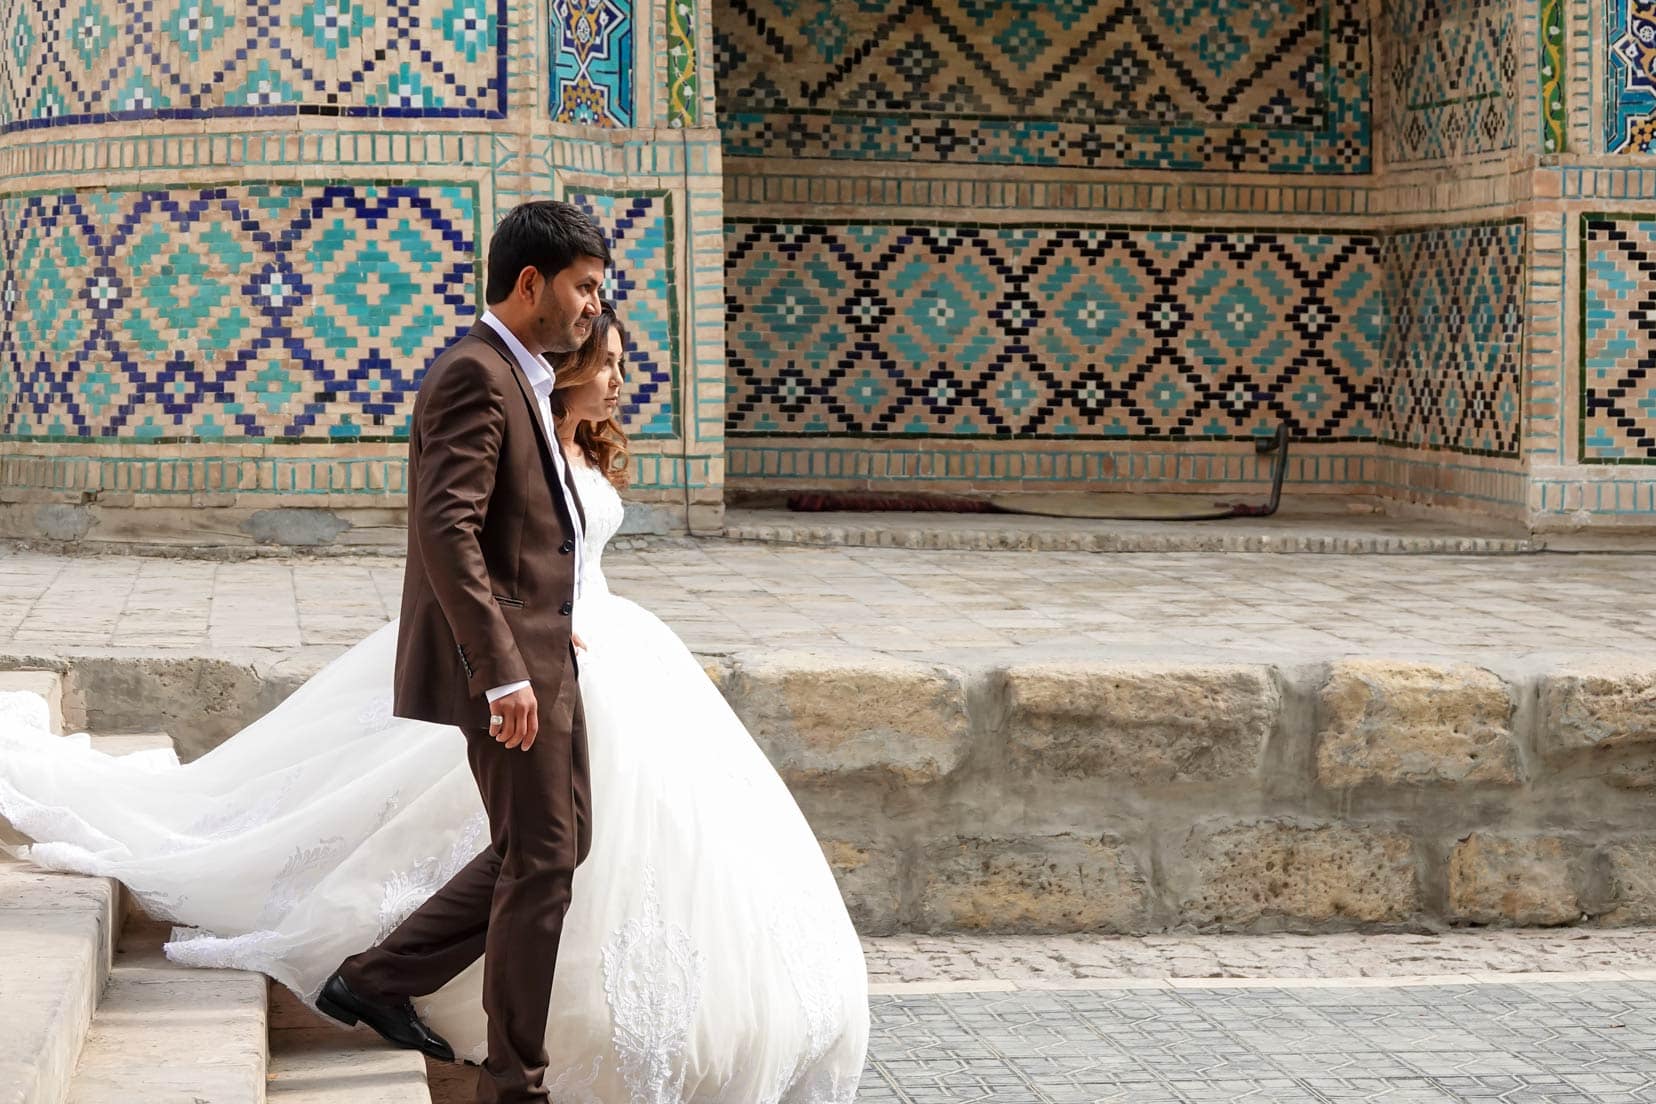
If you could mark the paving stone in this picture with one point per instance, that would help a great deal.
(1429, 1044)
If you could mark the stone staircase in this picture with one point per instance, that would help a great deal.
(92, 1012)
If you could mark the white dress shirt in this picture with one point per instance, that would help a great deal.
(543, 379)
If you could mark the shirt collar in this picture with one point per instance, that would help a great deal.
(539, 371)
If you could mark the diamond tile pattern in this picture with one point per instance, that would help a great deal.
(1550, 1043)
(1258, 85)
(1452, 77)
(1456, 339)
(253, 311)
(1051, 331)
(81, 61)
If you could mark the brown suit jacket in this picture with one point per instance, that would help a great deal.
(490, 581)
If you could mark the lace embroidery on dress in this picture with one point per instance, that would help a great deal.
(826, 1087)
(572, 1088)
(304, 868)
(808, 952)
(259, 951)
(406, 890)
(653, 980)
(229, 820)
(376, 714)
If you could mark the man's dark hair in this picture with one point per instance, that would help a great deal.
(547, 234)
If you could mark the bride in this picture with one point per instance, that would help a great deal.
(707, 955)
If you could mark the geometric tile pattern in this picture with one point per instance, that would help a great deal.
(1630, 83)
(644, 288)
(1541, 1043)
(932, 330)
(1618, 339)
(77, 61)
(1452, 78)
(1455, 346)
(592, 62)
(1226, 85)
(276, 311)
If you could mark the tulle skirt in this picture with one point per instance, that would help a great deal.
(707, 955)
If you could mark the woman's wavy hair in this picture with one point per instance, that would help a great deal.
(605, 443)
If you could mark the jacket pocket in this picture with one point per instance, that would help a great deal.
(505, 601)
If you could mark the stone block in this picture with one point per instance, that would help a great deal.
(1631, 890)
(1144, 724)
(818, 718)
(1405, 724)
(870, 881)
(1604, 718)
(1513, 880)
(1061, 883)
(1240, 874)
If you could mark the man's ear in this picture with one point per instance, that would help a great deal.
(528, 284)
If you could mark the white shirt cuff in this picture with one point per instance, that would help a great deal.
(509, 688)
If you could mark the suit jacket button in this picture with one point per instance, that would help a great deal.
(567, 608)
(567, 547)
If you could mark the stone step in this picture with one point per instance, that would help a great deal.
(165, 1033)
(316, 1061)
(57, 948)
(57, 935)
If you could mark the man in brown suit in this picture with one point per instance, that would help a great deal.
(494, 558)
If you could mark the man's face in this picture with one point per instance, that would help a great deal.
(567, 304)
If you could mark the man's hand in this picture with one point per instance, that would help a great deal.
(520, 719)
(575, 639)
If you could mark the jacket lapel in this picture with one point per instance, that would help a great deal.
(486, 333)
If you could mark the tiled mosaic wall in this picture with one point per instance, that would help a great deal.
(1113, 333)
(1629, 30)
(256, 311)
(238, 297)
(1617, 378)
(276, 312)
(1056, 332)
(95, 60)
(644, 286)
(592, 62)
(1166, 84)
(1454, 378)
(1453, 71)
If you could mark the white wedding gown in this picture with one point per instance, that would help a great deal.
(707, 956)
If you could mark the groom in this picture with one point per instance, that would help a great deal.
(494, 560)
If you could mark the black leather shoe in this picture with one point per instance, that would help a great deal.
(396, 1023)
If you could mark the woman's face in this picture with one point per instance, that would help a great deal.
(598, 398)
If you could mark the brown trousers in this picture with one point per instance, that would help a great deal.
(508, 904)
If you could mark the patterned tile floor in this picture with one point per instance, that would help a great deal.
(1535, 1041)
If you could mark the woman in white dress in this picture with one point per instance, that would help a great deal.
(707, 955)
